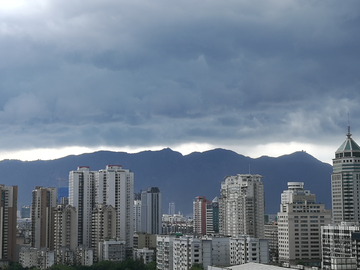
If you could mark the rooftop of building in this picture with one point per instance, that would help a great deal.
(251, 266)
(349, 144)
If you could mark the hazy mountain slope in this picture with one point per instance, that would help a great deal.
(180, 178)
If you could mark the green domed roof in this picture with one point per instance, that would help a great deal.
(349, 148)
(348, 145)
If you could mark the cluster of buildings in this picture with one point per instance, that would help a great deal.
(101, 218)
(94, 223)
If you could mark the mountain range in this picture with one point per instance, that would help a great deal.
(180, 178)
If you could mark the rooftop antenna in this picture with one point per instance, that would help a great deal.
(349, 134)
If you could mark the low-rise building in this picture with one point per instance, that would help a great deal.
(28, 257)
(144, 254)
(144, 240)
(177, 252)
(177, 224)
(84, 256)
(33, 257)
(341, 246)
(64, 256)
(112, 250)
(246, 249)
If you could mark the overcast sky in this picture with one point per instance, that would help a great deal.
(257, 77)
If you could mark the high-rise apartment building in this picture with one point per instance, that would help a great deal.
(199, 214)
(82, 197)
(44, 202)
(151, 211)
(8, 210)
(241, 206)
(215, 213)
(65, 230)
(204, 216)
(299, 226)
(137, 215)
(345, 182)
(115, 186)
(103, 226)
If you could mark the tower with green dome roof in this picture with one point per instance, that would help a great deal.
(345, 181)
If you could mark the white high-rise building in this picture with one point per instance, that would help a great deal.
(241, 206)
(115, 186)
(345, 182)
(82, 197)
(299, 226)
(151, 211)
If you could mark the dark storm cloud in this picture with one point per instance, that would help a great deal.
(148, 73)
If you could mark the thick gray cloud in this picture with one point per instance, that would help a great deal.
(143, 73)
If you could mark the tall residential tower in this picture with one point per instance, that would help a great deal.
(345, 182)
(8, 209)
(151, 211)
(82, 197)
(44, 201)
(241, 206)
(115, 186)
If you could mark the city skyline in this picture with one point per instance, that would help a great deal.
(259, 79)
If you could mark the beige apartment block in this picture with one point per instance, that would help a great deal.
(299, 226)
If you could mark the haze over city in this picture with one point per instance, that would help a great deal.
(259, 78)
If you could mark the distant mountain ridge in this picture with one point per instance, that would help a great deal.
(179, 178)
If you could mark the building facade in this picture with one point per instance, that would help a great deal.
(115, 186)
(65, 230)
(82, 197)
(181, 252)
(171, 210)
(200, 215)
(151, 211)
(299, 226)
(137, 215)
(241, 206)
(103, 227)
(8, 219)
(246, 249)
(44, 202)
(341, 246)
(345, 182)
(271, 234)
(112, 250)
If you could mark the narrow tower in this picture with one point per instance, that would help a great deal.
(345, 181)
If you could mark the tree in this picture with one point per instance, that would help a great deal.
(197, 266)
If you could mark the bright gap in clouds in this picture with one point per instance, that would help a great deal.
(13, 4)
(323, 153)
